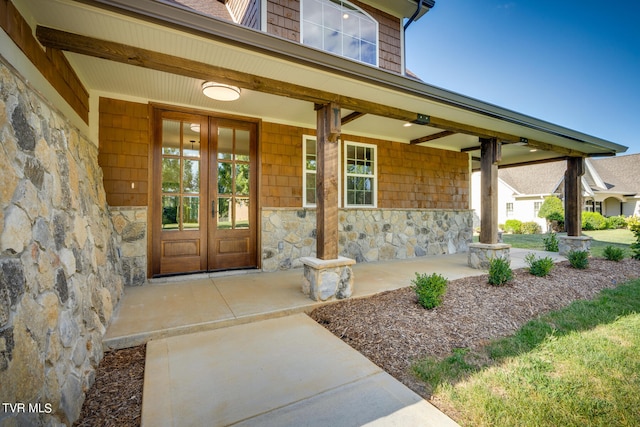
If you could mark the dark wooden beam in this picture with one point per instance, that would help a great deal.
(132, 55)
(468, 149)
(328, 132)
(573, 196)
(432, 137)
(489, 158)
(351, 117)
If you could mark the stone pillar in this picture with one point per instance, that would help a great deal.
(567, 244)
(327, 280)
(573, 196)
(481, 254)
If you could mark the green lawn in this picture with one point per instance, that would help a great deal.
(579, 366)
(621, 238)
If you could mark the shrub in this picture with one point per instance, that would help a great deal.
(578, 259)
(551, 243)
(539, 266)
(613, 254)
(592, 221)
(634, 225)
(615, 222)
(531, 227)
(552, 206)
(429, 289)
(513, 226)
(499, 271)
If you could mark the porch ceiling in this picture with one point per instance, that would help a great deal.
(279, 60)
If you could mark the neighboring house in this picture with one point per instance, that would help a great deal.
(609, 186)
(117, 168)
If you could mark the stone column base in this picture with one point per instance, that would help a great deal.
(567, 244)
(480, 254)
(327, 280)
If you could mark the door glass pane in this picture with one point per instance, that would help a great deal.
(191, 139)
(190, 212)
(170, 175)
(225, 178)
(170, 218)
(191, 176)
(242, 179)
(242, 145)
(225, 143)
(241, 212)
(224, 212)
(170, 137)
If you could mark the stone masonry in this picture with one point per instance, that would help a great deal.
(365, 235)
(130, 224)
(60, 274)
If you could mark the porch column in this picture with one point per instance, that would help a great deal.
(490, 155)
(573, 209)
(573, 196)
(480, 254)
(328, 276)
(328, 132)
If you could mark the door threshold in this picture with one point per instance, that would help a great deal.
(186, 277)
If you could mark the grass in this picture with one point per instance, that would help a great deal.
(579, 366)
(620, 238)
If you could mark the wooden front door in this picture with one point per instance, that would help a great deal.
(204, 204)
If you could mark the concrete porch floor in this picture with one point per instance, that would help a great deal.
(187, 304)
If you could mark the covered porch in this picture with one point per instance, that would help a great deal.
(187, 304)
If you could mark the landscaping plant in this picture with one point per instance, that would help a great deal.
(499, 271)
(551, 243)
(578, 259)
(539, 266)
(634, 225)
(531, 227)
(613, 254)
(552, 210)
(513, 226)
(430, 289)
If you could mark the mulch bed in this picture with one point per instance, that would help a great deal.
(392, 330)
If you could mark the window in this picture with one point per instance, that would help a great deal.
(339, 27)
(360, 174)
(536, 208)
(309, 170)
(509, 210)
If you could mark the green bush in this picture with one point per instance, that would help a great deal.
(593, 221)
(499, 271)
(531, 227)
(613, 253)
(578, 259)
(513, 226)
(429, 289)
(615, 222)
(551, 243)
(634, 225)
(539, 266)
(552, 209)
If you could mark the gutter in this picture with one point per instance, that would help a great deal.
(163, 13)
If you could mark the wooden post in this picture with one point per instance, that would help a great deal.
(573, 196)
(490, 155)
(328, 132)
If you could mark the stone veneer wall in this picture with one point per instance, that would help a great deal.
(60, 274)
(365, 235)
(130, 224)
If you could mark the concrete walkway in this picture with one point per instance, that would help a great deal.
(238, 350)
(187, 304)
(287, 371)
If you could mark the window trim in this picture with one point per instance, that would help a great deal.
(509, 212)
(359, 9)
(374, 176)
(305, 203)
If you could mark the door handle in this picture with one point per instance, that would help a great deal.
(213, 209)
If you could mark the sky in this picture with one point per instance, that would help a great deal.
(569, 62)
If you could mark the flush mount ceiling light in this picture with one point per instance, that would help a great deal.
(220, 91)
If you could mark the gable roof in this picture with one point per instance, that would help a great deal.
(620, 174)
(540, 178)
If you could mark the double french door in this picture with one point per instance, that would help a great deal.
(204, 208)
